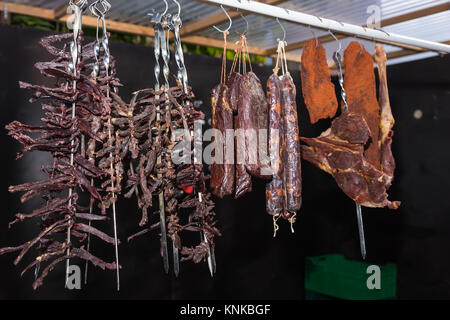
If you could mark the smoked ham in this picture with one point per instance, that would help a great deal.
(340, 152)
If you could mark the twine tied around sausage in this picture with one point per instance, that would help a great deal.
(281, 58)
(241, 56)
(223, 72)
(275, 224)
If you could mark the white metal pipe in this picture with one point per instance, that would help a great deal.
(332, 25)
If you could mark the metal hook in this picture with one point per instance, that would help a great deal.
(340, 45)
(387, 33)
(314, 35)
(99, 13)
(82, 4)
(231, 21)
(167, 7)
(179, 7)
(362, 47)
(246, 21)
(282, 28)
(157, 17)
(360, 44)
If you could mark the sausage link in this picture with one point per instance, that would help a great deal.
(243, 178)
(222, 174)
(275, 191)
(233, 84)
(292, 170)
(253, 117)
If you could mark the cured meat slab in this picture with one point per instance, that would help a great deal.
(340, 152)
(360, 87)
(317, 88)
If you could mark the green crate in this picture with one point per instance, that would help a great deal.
(335, 276)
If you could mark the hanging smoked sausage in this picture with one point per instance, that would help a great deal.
(253, 118)
(222, 174)
(243, 181)
(275, 191)
(291, 158)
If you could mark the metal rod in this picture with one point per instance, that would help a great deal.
(88, 246)
(337, 60)
(116, 245)
(362, 240)
(156, 20)
(165, 52)
(328, 24)
(75, 54)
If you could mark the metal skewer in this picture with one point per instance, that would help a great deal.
(337, 60)
(75, 50)
(106, 63)
(159, 36)
(183, 79)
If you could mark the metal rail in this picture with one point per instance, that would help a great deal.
(332, 25)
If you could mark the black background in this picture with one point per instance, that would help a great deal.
(250, 263)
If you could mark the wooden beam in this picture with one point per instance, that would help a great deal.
(406, 52)
(2, 16)
(216, 19)
(115, 26)
(60, 11)
(204, 41)
(28, 10)
(416, 14)
(384, 23)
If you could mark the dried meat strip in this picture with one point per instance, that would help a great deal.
(360, 87)
(386, 120)
(318, 90)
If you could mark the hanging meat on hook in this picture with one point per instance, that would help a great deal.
(222, 173)
(318, 90)
(387, 121)
(291, 157)
(342, 149)
(340, 152)
(243, 180)
(284, 191)
(144, 138)
(275, 189)
(253, 119)
(360, 87)
(61, 135)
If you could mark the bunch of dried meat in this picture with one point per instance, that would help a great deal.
(186, 201)
(75, 109)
